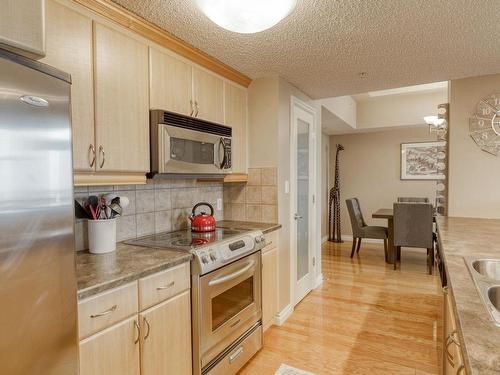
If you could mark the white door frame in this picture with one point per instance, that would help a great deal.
(297, 105)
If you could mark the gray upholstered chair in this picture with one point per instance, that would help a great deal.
(361, 230)
(413, 227)
(412, 200)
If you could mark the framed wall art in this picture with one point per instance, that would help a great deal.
(423, 160)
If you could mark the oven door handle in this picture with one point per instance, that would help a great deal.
(231, 276)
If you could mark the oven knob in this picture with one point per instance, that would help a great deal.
(213, 257)
(204, 259)
(258, 239)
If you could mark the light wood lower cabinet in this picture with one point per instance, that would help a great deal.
(453, 363)
(150, 342)
(112, 351)
(166, 342)
(269, 286)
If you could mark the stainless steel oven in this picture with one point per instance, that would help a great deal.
(186, 145)
(227, 305)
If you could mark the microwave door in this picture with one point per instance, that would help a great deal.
(188, 151)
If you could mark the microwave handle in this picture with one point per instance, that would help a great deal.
(224, 158)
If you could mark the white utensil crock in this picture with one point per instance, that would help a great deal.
(102, 236)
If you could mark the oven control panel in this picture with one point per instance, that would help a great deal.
(212, 257)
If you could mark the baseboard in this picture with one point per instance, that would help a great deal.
(348, 237)
(283, 315)
(318, 281)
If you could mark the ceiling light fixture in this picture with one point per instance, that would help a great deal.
(246, 16)
(436, 124)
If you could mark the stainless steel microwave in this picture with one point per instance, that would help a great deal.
(185, 145)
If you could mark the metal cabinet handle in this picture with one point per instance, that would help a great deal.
(91, 150)
(104, 313)
(138, 332)
(168, 286)
(149, 328)
(101, 152)
(233, 357)
(192, 108)
(449, 357)
(461, 369)
(297, 217)
(196, 107)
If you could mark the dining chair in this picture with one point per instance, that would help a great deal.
(412, 200)
(361, 230)
(413, 227)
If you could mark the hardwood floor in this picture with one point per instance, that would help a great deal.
(366, 318)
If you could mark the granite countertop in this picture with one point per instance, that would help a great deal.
(247, 225)
(97, 273)
(479, 336)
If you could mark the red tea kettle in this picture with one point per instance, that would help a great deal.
(202, 222)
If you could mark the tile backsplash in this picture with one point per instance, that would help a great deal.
(158, 206)
(257, 200)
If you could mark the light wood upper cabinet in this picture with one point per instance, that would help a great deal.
(235, 99)
(112, 351)
(69, 48)
(208, 96)
(166, 342)
(269, 286)
(121, 102)
(170, 82)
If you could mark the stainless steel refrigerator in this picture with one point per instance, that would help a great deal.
(38, 307)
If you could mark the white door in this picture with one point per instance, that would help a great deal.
(302, 197)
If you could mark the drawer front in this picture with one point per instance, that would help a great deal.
(271, 241)
(239, 354)
(105, 309)
(163, 285)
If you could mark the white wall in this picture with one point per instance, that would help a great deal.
(398, 110)
(269, 145)
(325, 171)
(370, 171)
(474, 175)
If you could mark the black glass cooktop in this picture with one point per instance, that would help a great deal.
(184, 239)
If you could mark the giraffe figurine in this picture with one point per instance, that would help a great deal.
(334, 225)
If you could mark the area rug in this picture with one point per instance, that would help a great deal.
(289, 370)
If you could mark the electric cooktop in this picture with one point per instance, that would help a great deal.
(185, 239)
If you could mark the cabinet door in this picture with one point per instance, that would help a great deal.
(121, 102)
(208, 93)
(166, 343)
(69, 48)
(171, 82)
(269, 286)
(112, 351)
(235, 99)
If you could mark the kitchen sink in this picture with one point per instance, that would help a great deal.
(486, 276)
(489, 268)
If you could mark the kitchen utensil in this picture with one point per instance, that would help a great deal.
(124, 202)
(81, 212)
(108, 198)
(93, 203)
(116, 210)
(202, 222)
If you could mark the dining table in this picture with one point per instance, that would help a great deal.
(388, 213)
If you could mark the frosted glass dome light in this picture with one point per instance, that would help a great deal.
(246, 16)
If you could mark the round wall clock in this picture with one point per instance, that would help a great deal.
(484, 125)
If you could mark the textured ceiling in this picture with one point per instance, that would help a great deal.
(324, 44)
